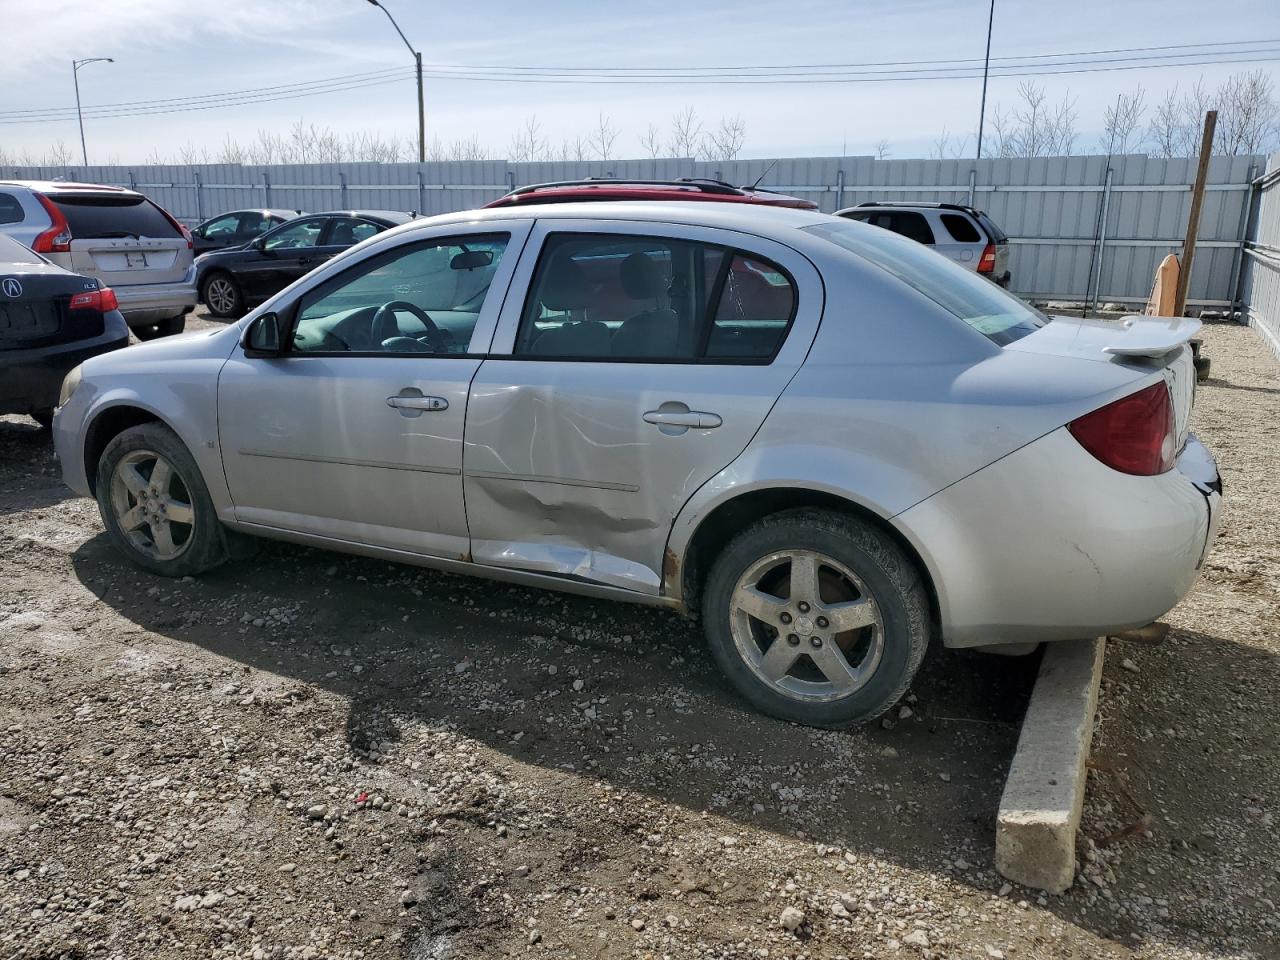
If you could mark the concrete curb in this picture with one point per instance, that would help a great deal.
(1043, 797)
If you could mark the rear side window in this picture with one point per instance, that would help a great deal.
(905, 222)
(10, 209)
(996, 314)
(102, 217)
(346, 232)
(623, 297)
(961, 228)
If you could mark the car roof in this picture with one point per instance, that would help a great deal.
(760, 220)
(388, 216)
(68, 186)
(269, 211)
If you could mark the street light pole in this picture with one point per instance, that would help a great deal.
(75, 76)
(986, 67)
(417, 59)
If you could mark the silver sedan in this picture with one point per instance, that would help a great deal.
(825, 440)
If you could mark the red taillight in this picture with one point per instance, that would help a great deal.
(987, 262)
(100, 300)
(186, 234)
(1134, 434)
(57, 239)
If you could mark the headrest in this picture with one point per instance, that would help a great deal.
(641, 278)
(565, 286)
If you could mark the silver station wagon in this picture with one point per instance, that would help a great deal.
(823, 439)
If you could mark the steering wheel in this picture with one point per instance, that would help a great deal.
(384, 325)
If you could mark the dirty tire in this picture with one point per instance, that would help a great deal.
(892, 580)
(206, 547)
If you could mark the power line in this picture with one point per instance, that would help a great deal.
(1019, 66)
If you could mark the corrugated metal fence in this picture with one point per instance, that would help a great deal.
(1082, 227)
(1262, 260)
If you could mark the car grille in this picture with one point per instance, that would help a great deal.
(26, 324)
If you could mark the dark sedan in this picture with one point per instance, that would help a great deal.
(233, 280)
(50, 320)
(237, 227)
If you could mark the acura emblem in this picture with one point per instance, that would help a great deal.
(11, 287)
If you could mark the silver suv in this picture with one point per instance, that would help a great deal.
(967, 236)
(825, 441)
(118, 236)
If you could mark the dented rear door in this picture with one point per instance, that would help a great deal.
(577, 467)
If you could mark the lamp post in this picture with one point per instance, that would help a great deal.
(417, 59)
(986, 67)
(75, 76)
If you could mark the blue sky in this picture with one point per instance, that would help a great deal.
(165, 48)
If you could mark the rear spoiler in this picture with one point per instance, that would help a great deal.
(1143, 336)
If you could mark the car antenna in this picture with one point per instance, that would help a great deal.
(773, 164)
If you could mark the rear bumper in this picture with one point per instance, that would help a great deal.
(1050, 544)
(147, 303)
(30, 379)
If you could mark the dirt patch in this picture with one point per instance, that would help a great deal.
(312, 755)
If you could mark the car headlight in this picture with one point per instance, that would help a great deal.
(69, 384)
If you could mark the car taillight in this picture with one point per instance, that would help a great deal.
(1134, 434)
(57, 239)
(186, 234)
(100, 300)
(987, 262)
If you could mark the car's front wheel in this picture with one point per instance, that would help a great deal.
(155, 504)
(816, 617)
(222, 295)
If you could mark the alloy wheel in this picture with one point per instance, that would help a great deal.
(220, 295)
(805, 624)
(152, 505)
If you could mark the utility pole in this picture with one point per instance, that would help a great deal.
(986, 68)
(417, 59)
(1193, 219)
(75, 77)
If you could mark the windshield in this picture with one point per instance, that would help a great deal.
(100, 217)
(996, 314)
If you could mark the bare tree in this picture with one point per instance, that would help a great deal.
(686, 134)
(651, 141)
(603, 137)
(882, 150)
(189, 153)
(940, 145)
(60, 155)
(726, 141)
(1034, 127)
(1248, 114)
(1122, 122)
(528, 143)
(230, 151)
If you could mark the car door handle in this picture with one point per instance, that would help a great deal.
(695, 419)
(418, 403)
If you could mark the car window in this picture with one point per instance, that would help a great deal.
(299, 233)
(961, 228)
(347, 231)
(420, 299)
(625, 297)
(10, 209)
(907, 223)
(996, 314)
(223, 226)
(112, 215)
(253, 222)
(993, 231)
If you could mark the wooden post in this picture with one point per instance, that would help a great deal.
(1193, 221)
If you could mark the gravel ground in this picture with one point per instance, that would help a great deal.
(312, 755)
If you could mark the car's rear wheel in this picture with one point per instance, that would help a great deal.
(816, 617)
(155, 504)
(161, 328)
(222, 295)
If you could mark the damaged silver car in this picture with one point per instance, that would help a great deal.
(826, 441)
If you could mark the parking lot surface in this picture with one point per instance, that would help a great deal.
(313, 755)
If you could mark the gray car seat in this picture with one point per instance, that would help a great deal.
(652, 332)
(564, 290)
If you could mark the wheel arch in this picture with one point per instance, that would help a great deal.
(107, 424)
(685, 569)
